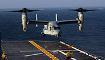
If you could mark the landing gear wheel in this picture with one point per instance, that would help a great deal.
(42, 34)
(58, 35)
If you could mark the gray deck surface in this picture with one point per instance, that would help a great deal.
(23, 50)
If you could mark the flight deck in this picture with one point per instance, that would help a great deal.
(43, 50)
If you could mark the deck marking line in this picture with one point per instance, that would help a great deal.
(43, 50)
(79, 50)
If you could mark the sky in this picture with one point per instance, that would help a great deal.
(50, 3)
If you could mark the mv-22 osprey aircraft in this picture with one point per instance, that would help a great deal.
(52, 27)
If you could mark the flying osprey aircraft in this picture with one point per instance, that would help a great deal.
(52, 27)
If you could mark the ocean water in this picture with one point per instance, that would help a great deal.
(92, 39)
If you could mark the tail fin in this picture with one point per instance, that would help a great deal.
(56, 17)
(36, 20)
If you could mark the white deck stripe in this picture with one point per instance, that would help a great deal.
(73, 59)
(79, 50)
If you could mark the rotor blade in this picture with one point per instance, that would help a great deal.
(24, 10)
(15, 11)
(81, 10)
(32, 10)
(90, 10)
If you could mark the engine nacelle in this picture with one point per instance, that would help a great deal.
(80, 20)
(24, 21)
(80, 27)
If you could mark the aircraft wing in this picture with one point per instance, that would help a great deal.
(68, 22)
(37, 22)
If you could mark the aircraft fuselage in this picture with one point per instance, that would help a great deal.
(51, 28)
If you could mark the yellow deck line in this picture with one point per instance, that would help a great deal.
(51, 56)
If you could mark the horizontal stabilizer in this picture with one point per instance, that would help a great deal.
(68, 22)
(37, 22)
